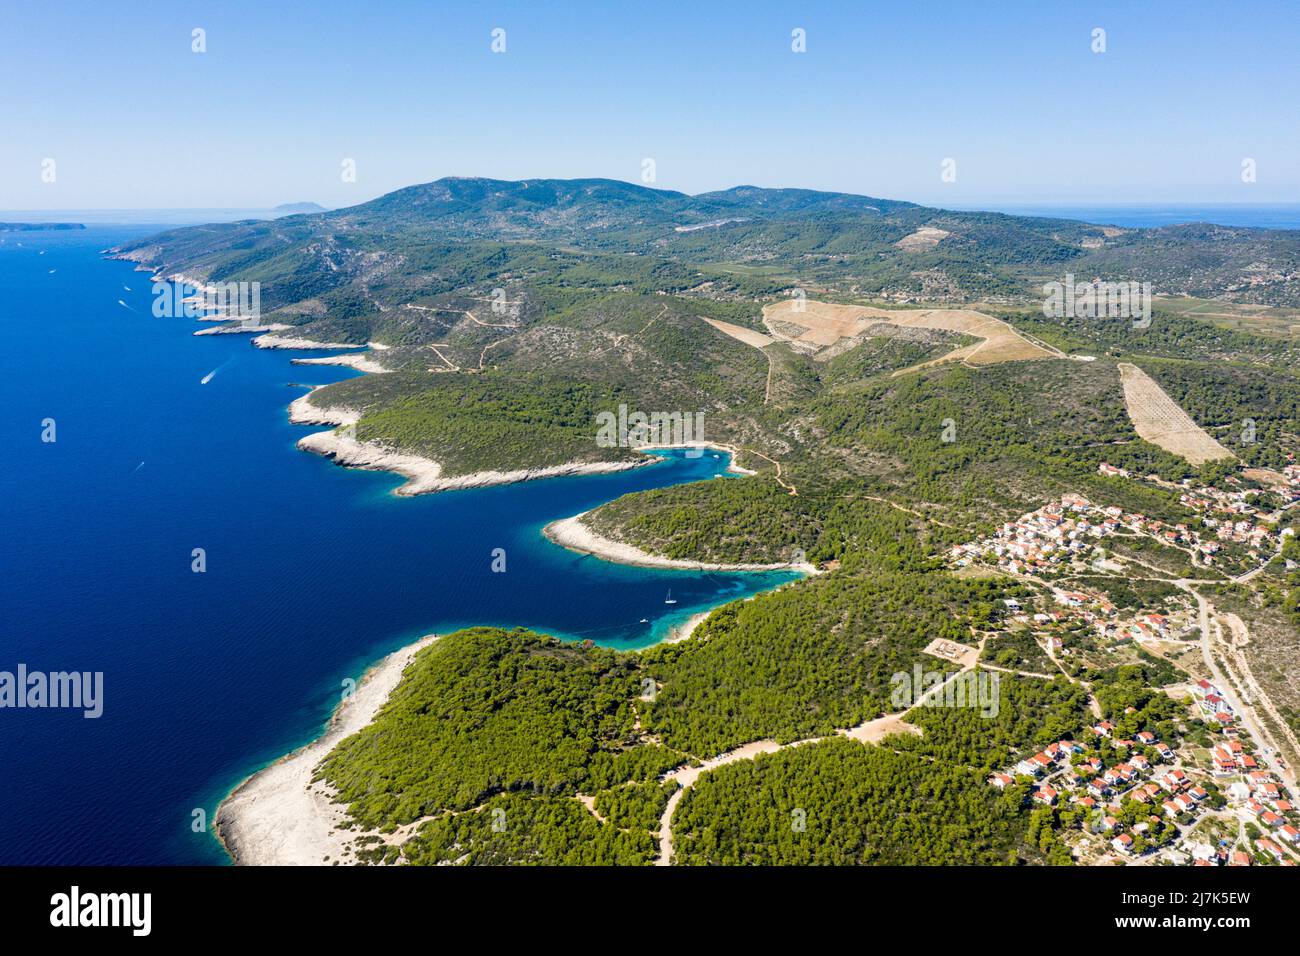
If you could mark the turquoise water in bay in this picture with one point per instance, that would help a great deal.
(313, 571)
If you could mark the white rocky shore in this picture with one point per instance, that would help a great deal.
(303, 412)
(278, 817)
(571, 533)
(288, 342)
(239, 329)
(732, 467)
(424, 475)
(361, 361)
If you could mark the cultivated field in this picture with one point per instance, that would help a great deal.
(1159, 419)
(1256, 319)
(742, 334)
(819, 326)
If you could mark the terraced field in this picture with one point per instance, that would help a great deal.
(1159, 419)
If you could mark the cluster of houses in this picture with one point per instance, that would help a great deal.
(1232, 517)
(1056, 533)
(1258, 789)
(1203, 854)
(1151, 774)
(1230, 513)
(1097, 613)
(1065, 531)
(1100, 614)
(1092, 786)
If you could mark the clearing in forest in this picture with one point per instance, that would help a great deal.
(927, 237)
(739, 332)
(1158, 418)
(817, 327)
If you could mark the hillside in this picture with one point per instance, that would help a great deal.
(745, 239)
(909, 421)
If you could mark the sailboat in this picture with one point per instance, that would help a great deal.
(670, 599)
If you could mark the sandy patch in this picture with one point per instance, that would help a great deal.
(277, 817)
(1001, 342)
(874, 731)
(684, 630)
(1159, 419)
(927, 237)
(1267, 476)
(741, 334)
(953, 652)
(590, 803)
(829, 329)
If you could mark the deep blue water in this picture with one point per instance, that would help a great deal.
(313, 571)
(1144, 215)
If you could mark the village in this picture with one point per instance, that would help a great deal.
(1229, 527)
(1198, 789)
(1143, 800)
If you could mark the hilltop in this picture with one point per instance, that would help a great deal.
(746, 240)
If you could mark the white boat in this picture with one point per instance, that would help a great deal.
(670, 599)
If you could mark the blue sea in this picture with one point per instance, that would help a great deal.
(312, 571)
(1152, 216)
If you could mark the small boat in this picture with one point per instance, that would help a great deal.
(670, 599)
(645, 620)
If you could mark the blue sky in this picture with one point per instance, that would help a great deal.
(711, 91)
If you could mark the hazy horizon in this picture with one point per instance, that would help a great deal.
(991, 203)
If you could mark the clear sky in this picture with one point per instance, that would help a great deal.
(711, 91)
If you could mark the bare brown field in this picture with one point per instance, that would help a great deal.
(927, 237)
(1267, 476)
(742, 334)
(1158, 418)
(822, 325)
(954, 653)
(874, 731)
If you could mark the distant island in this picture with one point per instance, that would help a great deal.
(38, 226)
(298, 208)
